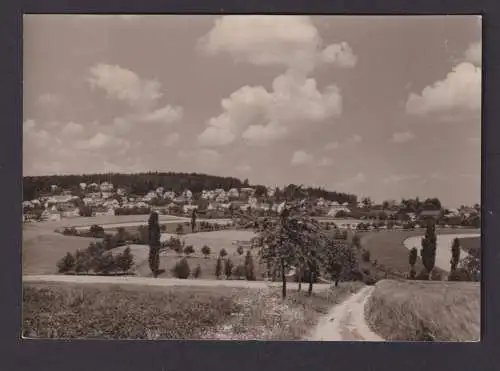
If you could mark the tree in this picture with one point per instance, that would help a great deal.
(472, 264)
(428, 251)
(218, 267)
(339, 260)
(249, 267)
(367, 202)
(154, 235)
(66, 264)
(222, 253)
(193, 221)
(205, 250)
(188, 250)
(179, 229)
(96, 231)
(83, 261)
(125, 260)
(106, 263)
(181, 269)
(455, 254)
(197, 271)
(412, 260)
(240, 250)
(228, 268)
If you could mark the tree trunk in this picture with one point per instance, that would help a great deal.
(311, 280)
(299, 275)
(283, 278)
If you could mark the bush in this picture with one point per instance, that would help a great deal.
(218, 267)
(72, 231)
(189, 249)
(96, 231)
(82, 261)
(105, 263)
(66, 264)
(205, 250)
(181, 269)
(179, 229)
(366, 256)
(125, 260)
(223, 253)
(228, 268)
(239, 272)
(197, 271)
(240, 250)
(460, 274)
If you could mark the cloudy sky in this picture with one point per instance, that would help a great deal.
(386, 107)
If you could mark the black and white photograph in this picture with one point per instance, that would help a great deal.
(251, 177)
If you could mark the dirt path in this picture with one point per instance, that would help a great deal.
(145, 281)
(346, 321)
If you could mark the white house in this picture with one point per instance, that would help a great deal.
(233, 193)
(83, 186)
(106, 187)
(336, 209)
(187, 194)
(187, 209)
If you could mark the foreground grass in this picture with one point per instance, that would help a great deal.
(134, 312)
(267, 317)
(115, 312)
(448, 311)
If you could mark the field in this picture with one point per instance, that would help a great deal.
(412, 310)
(133, 312)
(388, 248)
(470, 243)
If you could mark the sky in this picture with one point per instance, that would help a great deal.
(380, 106)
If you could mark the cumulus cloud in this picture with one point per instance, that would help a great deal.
(165, 115)
(259, 115)
(353, 140)
(301, 157)
(172, 139)
(403, 137)
(460, 89)
(102, 141)
(292, 41)
(473, 54)
(123, 84)
(72, 129)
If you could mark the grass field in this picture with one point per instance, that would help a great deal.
(40, 253)
(449, 311)
(388, 248)
(470, 243)
(131, 312)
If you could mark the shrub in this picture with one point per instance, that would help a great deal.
(197, 271)
(223, 253)
(459, 274)
(72, 231)
(205, 250)
(240, 250)
(188, 250)
(366, 255)
(179, 229)
(66, 264)
(181, 269)
(82, 261)
(228, 268)
(125, 260)
(218, 267)
(96, 231)
(239, 272)
(105, 264)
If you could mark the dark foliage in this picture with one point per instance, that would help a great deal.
(181, 269)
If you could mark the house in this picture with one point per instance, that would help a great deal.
(160, 190)
(51, 215)
(233, 193)
(252, 201)
(247, 191)
(83, 186)
(271, 191)
(169, 195)
(188, 209)
(430, 214)
(93, 186)
(121, 191)
(106, 187)
(335, 210)
(187, 194)
(54, 187)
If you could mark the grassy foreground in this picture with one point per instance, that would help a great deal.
(448, 311)
(133, 312)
